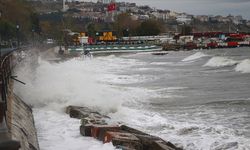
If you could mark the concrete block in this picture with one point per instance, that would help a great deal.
(83, 112)
(123, 139)
(163, 145)
(85, 130)
(97, 129)
(89, 120)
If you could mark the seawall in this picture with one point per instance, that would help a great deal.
(20, 122)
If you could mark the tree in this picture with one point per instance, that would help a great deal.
(35, 23)
(125, 25)
(92, 29)
(7, 30)
(149, 28)
(18, 12)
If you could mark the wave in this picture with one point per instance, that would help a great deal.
(243, 66)
(220, 62)
(56, 131)
(195, 56)
(188, 135)
(79, 82)
(162, 63)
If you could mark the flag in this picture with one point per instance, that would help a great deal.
(111, 7)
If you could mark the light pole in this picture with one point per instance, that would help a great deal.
(0, 36)
(33, 36)
(17, 34)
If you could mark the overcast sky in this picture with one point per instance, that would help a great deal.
(200, 7)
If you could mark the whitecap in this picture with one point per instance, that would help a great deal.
(220, 62)
(244, 66)
(195, 56)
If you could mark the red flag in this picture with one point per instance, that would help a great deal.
(111, 7)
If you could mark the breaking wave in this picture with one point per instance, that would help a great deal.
(93, 83)
(244, 66)
(195, 56)
(74, 82)
(220, 62)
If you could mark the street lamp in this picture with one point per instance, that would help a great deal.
(33, 36)
(17, 34)
(0, 36)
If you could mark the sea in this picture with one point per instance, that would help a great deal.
(198, 100)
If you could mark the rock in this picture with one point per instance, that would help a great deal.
(83, 112)
(123, 139)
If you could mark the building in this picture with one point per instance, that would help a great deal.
(106, 1)
(184, 18)
(161, 15)
(202, 18)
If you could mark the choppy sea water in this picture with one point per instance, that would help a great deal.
(196, 99)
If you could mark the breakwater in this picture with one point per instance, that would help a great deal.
(94, 124)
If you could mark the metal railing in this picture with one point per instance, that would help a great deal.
(7, 63)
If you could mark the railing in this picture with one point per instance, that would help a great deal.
(7, 63)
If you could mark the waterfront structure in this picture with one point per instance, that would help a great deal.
(106, 1)
(184, 18)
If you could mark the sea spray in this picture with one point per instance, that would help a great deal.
(50, 87)
(148, 110)
(79, 82)
(67, 83)
(220, 62)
